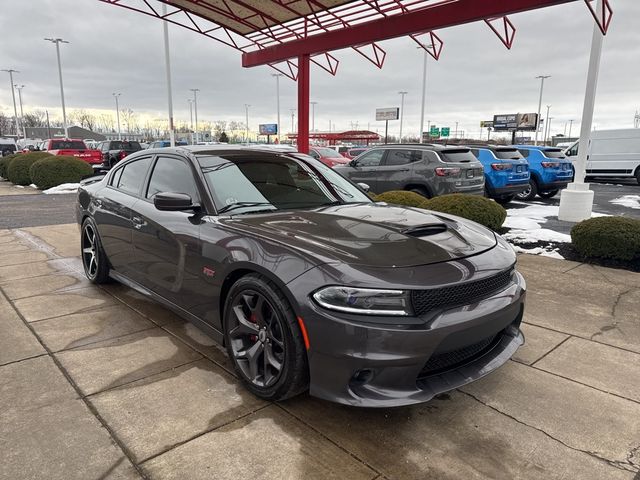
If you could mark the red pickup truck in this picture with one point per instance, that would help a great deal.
(73, 147)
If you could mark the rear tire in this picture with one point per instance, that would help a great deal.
(638, 175)
(94, 260)
(530, 193)
(548, 194)
(264, 340)
(420, 191)
(505, 200)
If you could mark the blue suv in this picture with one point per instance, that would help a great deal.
(550, 171)
(506, 172)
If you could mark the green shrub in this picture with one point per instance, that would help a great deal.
(473, 207)
(401, 197)
(54, 171)
(608, 237)
(18, 168)
(4, 164)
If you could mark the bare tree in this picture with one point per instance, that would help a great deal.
(35, 118)
(5, 124)
(106, 122)
(129, 117)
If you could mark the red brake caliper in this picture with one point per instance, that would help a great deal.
(253, 319)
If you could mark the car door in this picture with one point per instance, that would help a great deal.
(166, 244)
(113, 212)
(395, 171)
(365, 169)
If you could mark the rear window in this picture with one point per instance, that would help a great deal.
(129, 146)
(524, 152)
(7, 147)
(354, 152)
(457, 156)
(554, 153)
(507, 154)
(68, 145)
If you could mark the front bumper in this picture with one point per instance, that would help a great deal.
(388, 365)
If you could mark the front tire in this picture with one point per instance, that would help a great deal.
(548, 194)
(530, 193)
(94, 260)
(263, 339)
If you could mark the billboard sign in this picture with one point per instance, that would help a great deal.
(486, 124)
(268, 128)
(383, 114)
(515, 121)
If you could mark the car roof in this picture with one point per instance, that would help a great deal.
(424, 146)
(538, 147)
(493, 148)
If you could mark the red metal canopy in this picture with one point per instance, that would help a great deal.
(289, 34)
(349, 136)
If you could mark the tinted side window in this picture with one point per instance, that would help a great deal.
(133, 175)
(476, 152)
(371, 159)
(523, 152)
(171, 175)
(402, 157)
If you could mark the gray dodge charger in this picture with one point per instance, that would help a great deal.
(309, 284)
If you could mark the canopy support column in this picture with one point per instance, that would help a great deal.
(303, 103)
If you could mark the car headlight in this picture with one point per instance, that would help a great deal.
(364, 301)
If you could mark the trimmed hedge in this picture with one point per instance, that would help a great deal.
(473, 207)
(617, 238)
(56, 170)
(402, 197)
(18, 168)
(4, 164)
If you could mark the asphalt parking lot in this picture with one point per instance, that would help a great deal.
(99, 382)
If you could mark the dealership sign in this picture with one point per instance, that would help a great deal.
(515, 121)
(486, 124)
(383, 114)
(268, 128)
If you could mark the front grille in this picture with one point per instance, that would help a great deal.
(449, 360)
(462, 294)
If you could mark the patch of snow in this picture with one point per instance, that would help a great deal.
(64, 188)
(631, 201)
(536, 235)
(539, 251)
(19, 186)
(33, 185)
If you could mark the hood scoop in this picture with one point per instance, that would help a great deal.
(425, 229)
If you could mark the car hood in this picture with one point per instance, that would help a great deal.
(370, 234)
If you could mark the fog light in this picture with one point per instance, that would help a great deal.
(363, 376)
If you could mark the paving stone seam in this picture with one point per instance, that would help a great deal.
(88, 404)
(589, 339)
(22, 360)
(627, 465)
(615, 304)
(62, 290)
(584, 384)
(84, 310)
(551, 351)
(89, 395)
(194, 437)
(332, 441)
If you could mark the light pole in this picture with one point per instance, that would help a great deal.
(402, 94)
(115, 96)
(570, 125)
(549, 135)
(293, 114)
(191, 117)
(58, 41)
(542, 78)
(167, 63)
(424, 92)
(195, 108)
(246, 114)
(455, 132)
(277, 76)
(313, 115)
(19, 88)
(546, 125)
(13, 96)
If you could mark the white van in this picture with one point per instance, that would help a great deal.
(612, 153)
(7, 146)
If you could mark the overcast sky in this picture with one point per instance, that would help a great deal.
(116, 50)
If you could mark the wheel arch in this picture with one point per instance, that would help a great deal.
(421, 186)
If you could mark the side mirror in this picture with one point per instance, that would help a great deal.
(353, 163)
(171, 201)
(364, 186)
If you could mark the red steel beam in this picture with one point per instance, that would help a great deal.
(439, 15)
(303, 103)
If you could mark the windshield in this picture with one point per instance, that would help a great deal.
(248, 182)
(327, 152)
(507, 154)
(555, 153)
(68, 145)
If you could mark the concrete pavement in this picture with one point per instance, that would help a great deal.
(102, 383)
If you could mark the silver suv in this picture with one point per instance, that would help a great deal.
(429, 170)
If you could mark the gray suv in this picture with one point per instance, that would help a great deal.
(429, 170)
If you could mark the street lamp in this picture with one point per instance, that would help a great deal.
(455, 132)
(246, 113)
(546, 125)
(402, 94)
(191, 117)
(277, 76)
(293, 114)
(313, 115)
(570, 125)
(424, 91)
(115, 96)
(19, 88)
(58, 41)
(13, 95)
(195, 108)
(542, 78)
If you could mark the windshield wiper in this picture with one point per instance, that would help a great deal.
(233, 206)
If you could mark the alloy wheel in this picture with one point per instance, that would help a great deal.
(525, 193)
(89, 251)
(257, 338)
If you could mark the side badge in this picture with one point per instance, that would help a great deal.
(209, 272)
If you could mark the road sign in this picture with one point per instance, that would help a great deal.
(444, 132)
(434, 132)
(383, 114)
